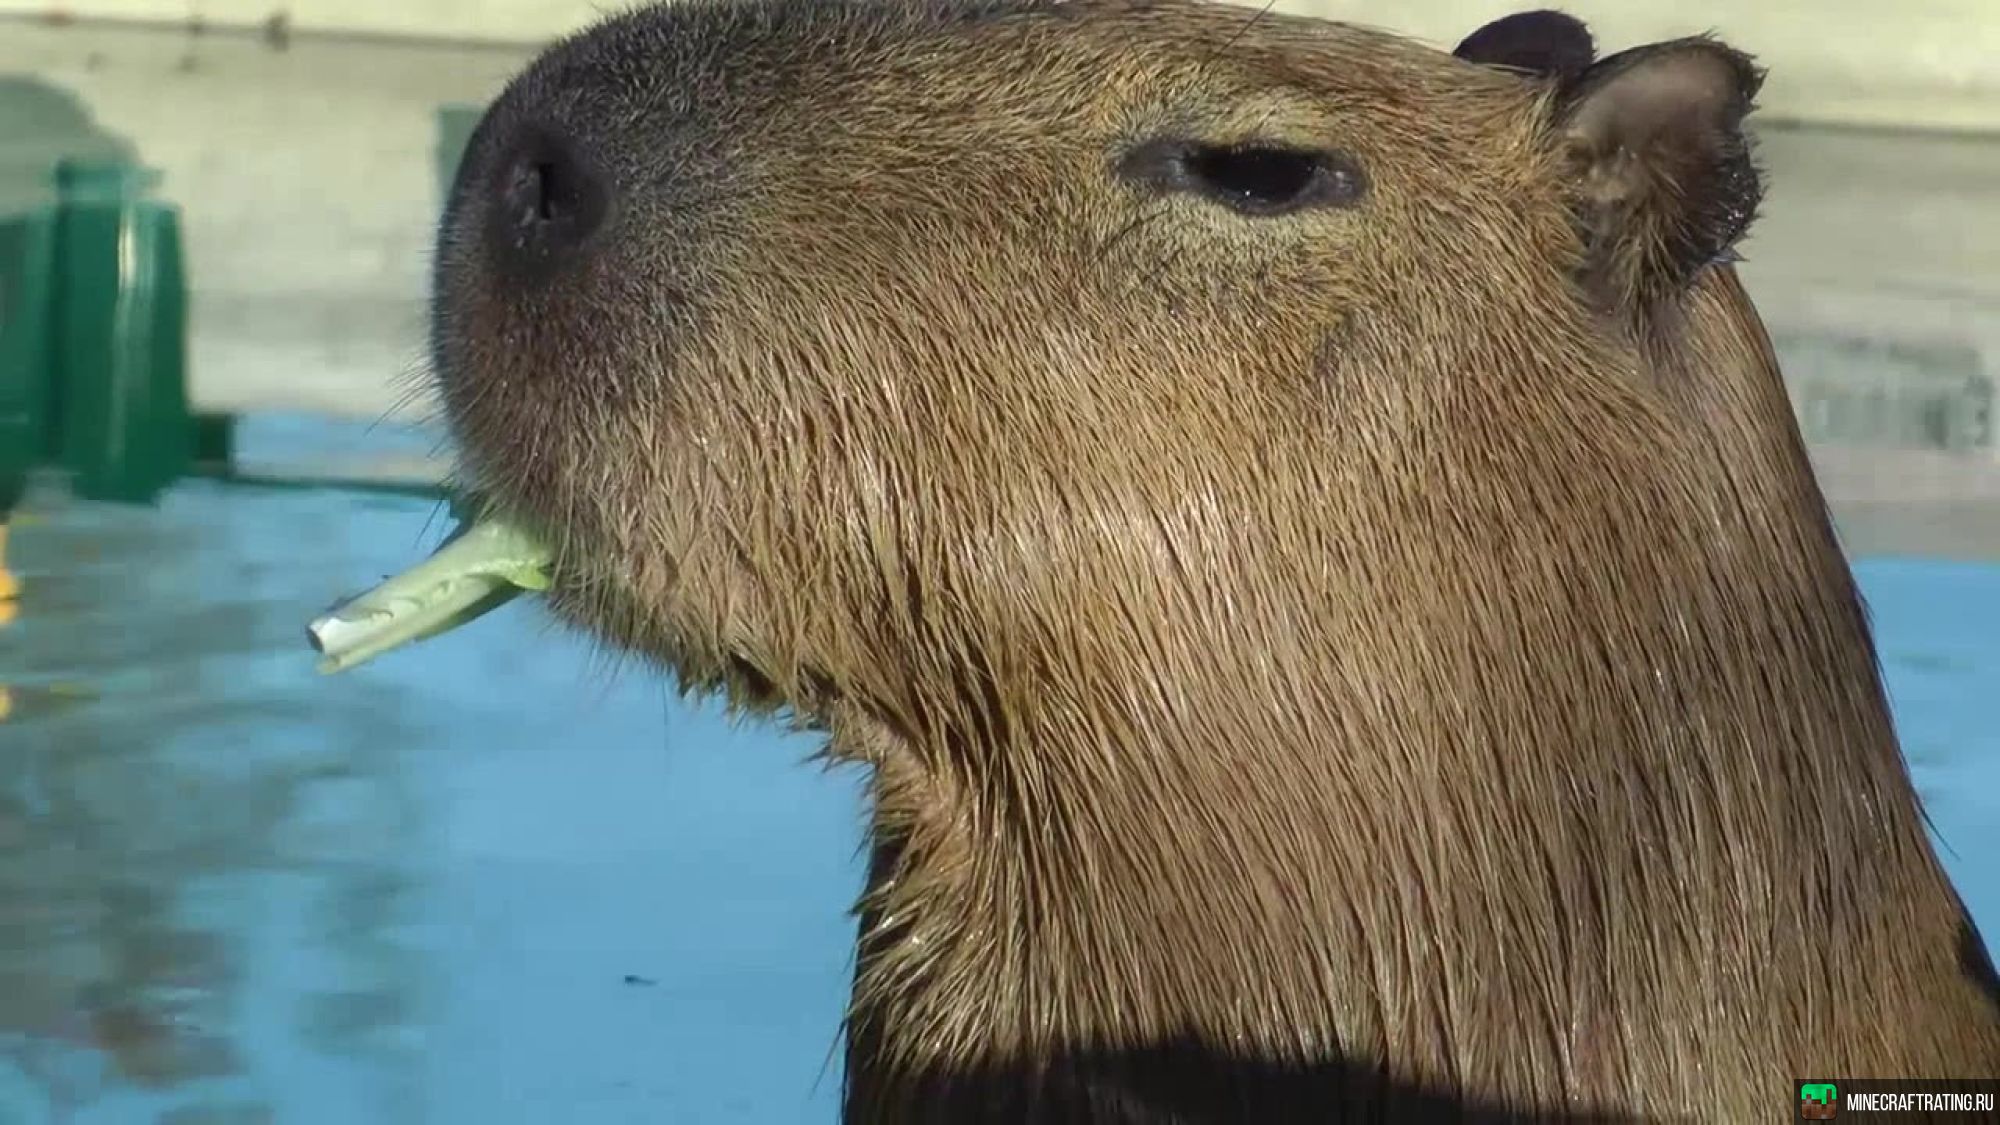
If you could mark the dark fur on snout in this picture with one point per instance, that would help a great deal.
(1306, 530)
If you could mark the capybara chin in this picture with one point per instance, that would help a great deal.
(1304, 528)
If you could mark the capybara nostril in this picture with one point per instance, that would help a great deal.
(549, 201)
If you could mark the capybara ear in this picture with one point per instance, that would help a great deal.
(1546, 44)
(1665, 180)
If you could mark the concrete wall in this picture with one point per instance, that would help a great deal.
(1930, 63)
(308, 183)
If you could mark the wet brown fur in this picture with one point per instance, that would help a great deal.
(1386, 662)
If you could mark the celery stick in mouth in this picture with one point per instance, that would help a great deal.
(478, 569)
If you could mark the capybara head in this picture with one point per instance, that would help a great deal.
(1304, 527)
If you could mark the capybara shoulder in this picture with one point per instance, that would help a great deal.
(1304, 528)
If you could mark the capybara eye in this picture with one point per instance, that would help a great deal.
(1252, 179)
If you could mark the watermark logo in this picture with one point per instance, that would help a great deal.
(1818, 1101)
(1892, 1100)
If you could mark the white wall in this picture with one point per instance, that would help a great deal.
(308, 188)
(1934, 63)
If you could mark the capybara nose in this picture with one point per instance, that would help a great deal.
(550, 201)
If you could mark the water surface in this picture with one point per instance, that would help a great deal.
(495, 879)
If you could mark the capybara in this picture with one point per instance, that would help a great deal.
(1304, 528)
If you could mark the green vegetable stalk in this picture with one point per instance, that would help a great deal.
(479, 568)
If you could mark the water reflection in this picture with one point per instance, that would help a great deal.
(476, 883)
(166, 829)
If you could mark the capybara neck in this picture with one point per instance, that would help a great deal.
(1494, 830)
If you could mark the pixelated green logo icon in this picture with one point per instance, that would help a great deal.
(1817, 1100)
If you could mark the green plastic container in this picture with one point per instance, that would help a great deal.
(119, 408)
(27, 255)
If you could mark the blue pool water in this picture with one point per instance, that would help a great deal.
(493, 880)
